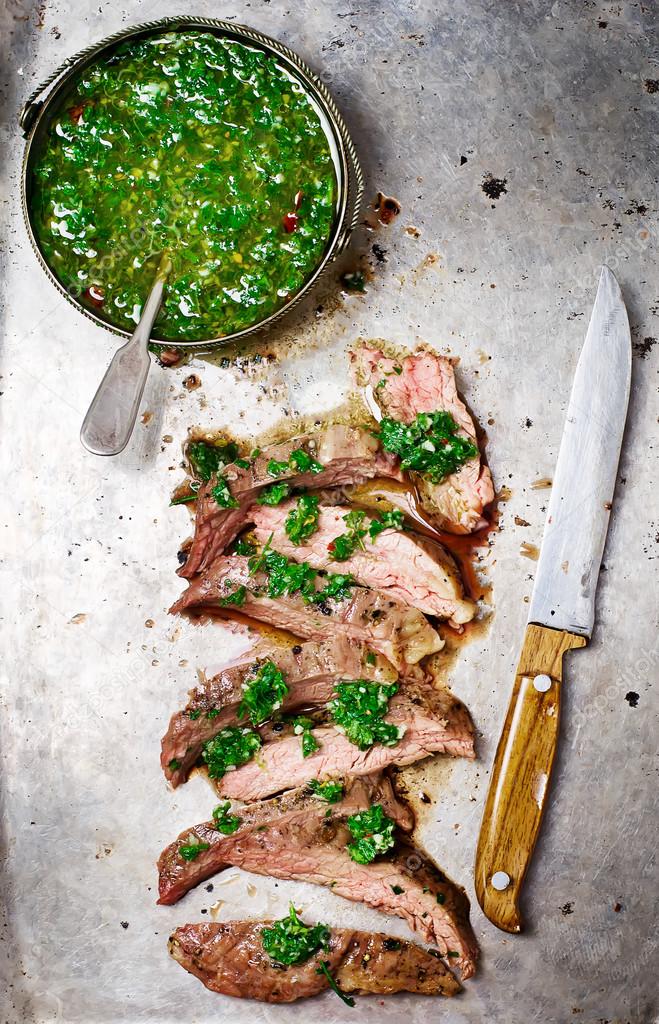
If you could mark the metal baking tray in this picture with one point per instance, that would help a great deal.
(92, 665)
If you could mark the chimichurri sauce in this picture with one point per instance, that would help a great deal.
(197, 145)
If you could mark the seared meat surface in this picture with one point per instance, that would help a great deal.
(434, 722)
(347, 454)
(311, 671)
(425, 382)
(402, 634)
(417, 572)
(230, 958)
(306, 839)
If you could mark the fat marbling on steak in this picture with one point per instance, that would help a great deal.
(415, 571)
(311, 671)
(229, 957)
(433, 722)
(348, 455)
(295, 837)
(425, 382)
(401, 633)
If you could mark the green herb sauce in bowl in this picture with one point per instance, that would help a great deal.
(199, 145)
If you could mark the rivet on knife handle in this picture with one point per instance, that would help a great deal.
(520, 775)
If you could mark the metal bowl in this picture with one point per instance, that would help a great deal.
(35, 117)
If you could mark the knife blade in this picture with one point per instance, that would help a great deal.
(562, 608)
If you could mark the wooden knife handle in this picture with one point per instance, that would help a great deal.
(520, 775)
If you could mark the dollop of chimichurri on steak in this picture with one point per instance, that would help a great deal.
(197, 145)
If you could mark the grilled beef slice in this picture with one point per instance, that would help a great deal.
(230, 958)
(417, 572)
(427, 384)
(402, 634)
(434, 722)
(348, 455)
(311, 672)
(177, 876)
(297, 839)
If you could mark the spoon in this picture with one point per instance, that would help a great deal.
(111, 416)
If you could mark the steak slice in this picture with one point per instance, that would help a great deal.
(177, 876)
(311, 672)
(402, 634)
(427, 384)
(299, 841)
(415, 571)
(348, 455)
(434, 722)
(230, 958)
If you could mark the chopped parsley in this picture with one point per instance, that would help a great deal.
(392, 520)
(430, 445)
(302, 727)
(373, 833)
(299, 461)
(274, 494)
(329, 791)
(222, 495)
(205, 458)
(286, 578)
(290, 941)
(397, 890)
(345, 544)
(183, 499)
(174, 764)
(190, 851)
(275, 468)
(304, 463)
(263, 693)
(231, 748)
(236, 597)
(333, 984)
(358, 711)
(225, 822)
(243, 547)
(194, 714)
(302, 520)
(213, 713)
(370, 658)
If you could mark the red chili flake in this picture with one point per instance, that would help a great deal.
(290, 223)
(95, 295)
(75, 113)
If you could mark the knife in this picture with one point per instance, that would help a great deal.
(562, 609)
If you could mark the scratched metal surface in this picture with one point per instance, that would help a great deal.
(558, 100)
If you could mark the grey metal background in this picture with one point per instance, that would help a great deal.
(551, 97)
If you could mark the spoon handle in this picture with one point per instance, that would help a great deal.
(111, 416)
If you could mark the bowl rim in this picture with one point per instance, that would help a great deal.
(350, 188)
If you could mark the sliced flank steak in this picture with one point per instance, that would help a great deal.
(432, 722)
(341, 455)
(310, 670)
(178, 875)
(401, 633)
(230, 958)
(412, 570)
(425, 383)
(301, 841)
